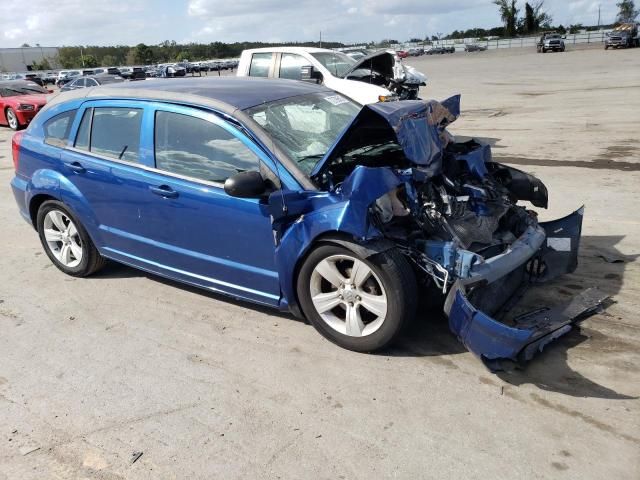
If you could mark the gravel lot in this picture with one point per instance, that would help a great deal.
(93, 370)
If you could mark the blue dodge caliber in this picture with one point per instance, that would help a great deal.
(287, 194)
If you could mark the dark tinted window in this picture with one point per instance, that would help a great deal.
(196, 148)
(260, 64)
(115, 132)
(291, 65)
(56, 129)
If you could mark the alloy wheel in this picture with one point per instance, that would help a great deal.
(348, 295)
(12, 119)
(62, 238)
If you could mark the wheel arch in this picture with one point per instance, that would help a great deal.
(363, 249)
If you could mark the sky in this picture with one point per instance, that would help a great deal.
(129, 22)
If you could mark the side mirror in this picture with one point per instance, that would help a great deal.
(245, 185)
(309, 74)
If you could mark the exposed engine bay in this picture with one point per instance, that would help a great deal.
(456, 215)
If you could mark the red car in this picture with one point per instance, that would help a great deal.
(19, 102)
(402, 53)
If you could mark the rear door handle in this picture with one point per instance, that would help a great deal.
(76, 167)
(164, 191)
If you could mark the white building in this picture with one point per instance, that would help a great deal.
(19, 59)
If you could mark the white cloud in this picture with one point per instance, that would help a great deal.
(112, 22)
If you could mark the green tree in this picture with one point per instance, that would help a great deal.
(627, 12)
(142, 54)
(509, 15)
(575, 28)
(183, 56)
(41, 65)
(25, 45)
(90, 61)
(534, 18)
(108, 61)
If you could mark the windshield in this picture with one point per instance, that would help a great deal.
(306, 126)
(14, 90)
(337, 63)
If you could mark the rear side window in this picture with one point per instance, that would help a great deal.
(56, 129)
(111, 132)
(199, 149)
(260, 64)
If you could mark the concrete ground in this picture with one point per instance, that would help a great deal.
(93, 370)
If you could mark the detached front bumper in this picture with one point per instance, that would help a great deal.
(542, 253)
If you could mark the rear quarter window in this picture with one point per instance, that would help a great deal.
(57, 129)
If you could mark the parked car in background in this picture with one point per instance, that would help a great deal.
(20, 100)
(91, 81)
(376, 77)
(416, 51)
(35, 78)
(290, 195)
(474, 47)
(65, 76)
(132, 73)
(623, 36)
(402, 53)
(50, 78)
(550, 42)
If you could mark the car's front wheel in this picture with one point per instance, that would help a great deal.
(12, 119)
(66, 242)
(358, 303)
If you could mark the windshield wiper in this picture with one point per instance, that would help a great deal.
(308, 157)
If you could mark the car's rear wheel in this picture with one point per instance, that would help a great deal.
(66, 242)
(358, 303)
(12, 119)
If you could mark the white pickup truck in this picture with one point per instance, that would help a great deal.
(377, 77)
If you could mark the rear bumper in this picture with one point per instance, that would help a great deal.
(541, 254)
(19, 187)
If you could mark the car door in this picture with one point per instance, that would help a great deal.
(201, 233)
(106, 167)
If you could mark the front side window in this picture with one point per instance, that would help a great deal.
(196, 148)
(337, 63)
(306, 126)
(111, 132)
(260, 64)
(291, 66)
(56, 129)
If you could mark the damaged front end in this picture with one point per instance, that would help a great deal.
(396, 174)
(385, 68)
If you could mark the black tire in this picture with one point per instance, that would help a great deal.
(14, 123)
(396, 278)
(91, 260)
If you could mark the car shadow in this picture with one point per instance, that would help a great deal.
(601, 265)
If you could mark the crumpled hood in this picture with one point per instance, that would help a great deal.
(381, 62)
(418, 126)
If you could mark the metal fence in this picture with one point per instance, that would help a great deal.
(570, 39)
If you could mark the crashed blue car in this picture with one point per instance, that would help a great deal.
(290, 195)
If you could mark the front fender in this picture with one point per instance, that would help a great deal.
(299, 220)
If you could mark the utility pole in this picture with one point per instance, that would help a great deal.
(81, 56)
(598, 17)
(320, 38)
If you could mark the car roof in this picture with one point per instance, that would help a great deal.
(291, 49)
(17, 83)
(226, 94)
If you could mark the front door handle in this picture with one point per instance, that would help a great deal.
(164, 191)
(76, 167)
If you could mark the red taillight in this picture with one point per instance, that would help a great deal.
(15, 149)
